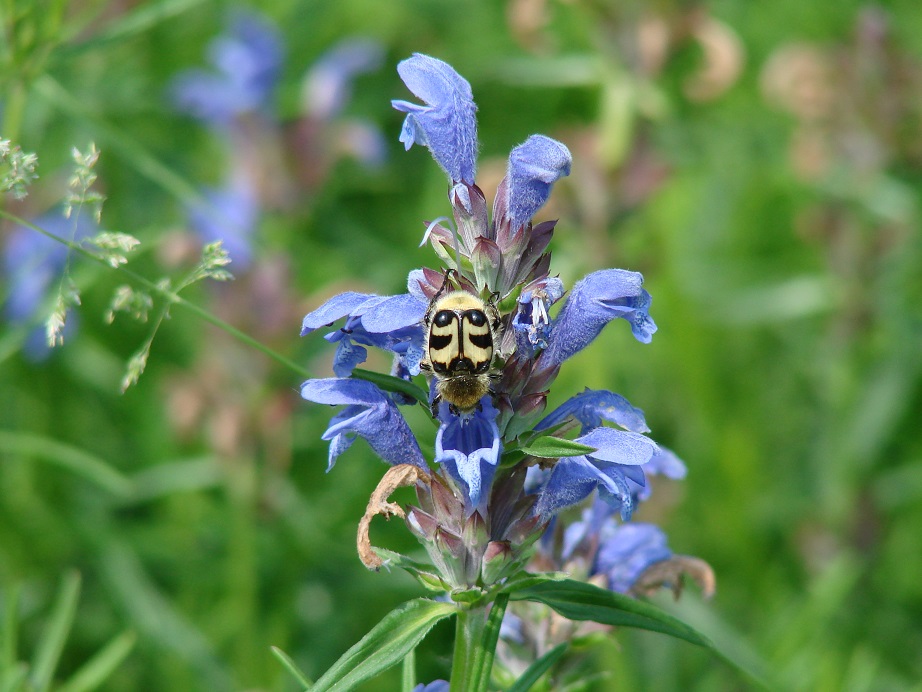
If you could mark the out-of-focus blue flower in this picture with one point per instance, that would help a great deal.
(615, 463)
(468, 447)
(328, 83)
(628, 551)
(591, 406)
(32, 262)
(247, 64)
(392, 323)
(447, 123)
(229, 214)
(533, 169)
(370, 414)
(434, 686)
(594, 302)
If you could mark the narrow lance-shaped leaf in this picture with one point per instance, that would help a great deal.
(582, 601)
(385, 645)
(539, 668)
(55, 635)
(291, 667)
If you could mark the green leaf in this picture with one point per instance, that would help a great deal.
(578, 600)
(538, 668)
(393, 384)
(55, 635)
(548, 447)
(581, 601)
(385, 645)
(291, 667)
(96, 671)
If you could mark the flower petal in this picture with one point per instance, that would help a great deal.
(594, 302)
(468, 446)
(592, 406)
(335, 308)
(370, 414)
(628, 552)
(447, 125)
(533, 169)
(618, 446)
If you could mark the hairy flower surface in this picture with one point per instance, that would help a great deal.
(447, 123)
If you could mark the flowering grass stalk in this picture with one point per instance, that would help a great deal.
(493, 493)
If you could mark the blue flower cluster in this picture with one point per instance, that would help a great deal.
(235, 99)
(503, 255)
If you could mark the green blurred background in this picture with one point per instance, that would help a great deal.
(760, 163)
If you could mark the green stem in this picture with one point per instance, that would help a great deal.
(470, 626)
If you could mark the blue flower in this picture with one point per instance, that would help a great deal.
(32, 262)
(531, 320)
(229, 214)
(533, 169)
(594, 302)
(468, 447)
(370, 414)
(247, 62)
(434, 686)
(392, 323)
(328, 83)
(611, 468)
(591, 406)
(446, 124)
(628, 551)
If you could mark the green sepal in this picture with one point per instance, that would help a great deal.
(385, 645)
(467, 596)
(548, 447)
(421, 572)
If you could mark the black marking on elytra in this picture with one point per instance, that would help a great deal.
(439, 341)
(484, 341)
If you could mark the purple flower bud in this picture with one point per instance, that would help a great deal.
(446, 124)
(370, 414)
(594, 302)
(533, 169)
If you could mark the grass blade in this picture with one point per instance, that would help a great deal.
(55, 635)
(291, 667)
(97, 670)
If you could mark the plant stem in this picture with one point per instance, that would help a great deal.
(470, 626)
